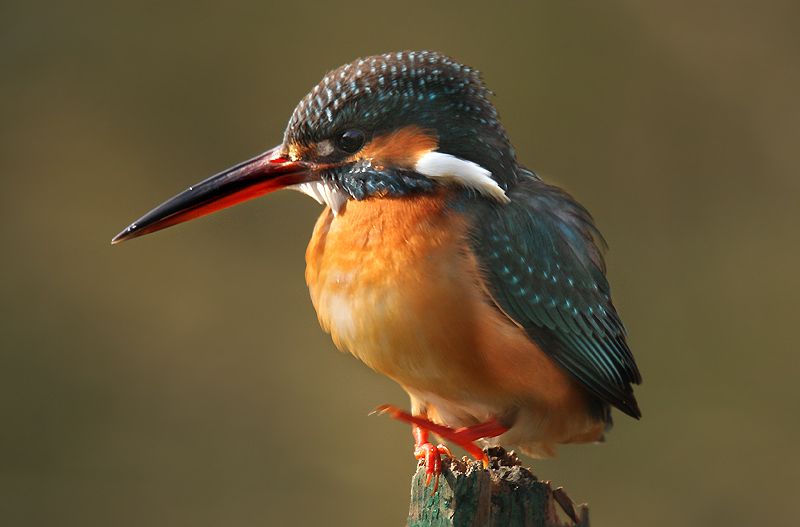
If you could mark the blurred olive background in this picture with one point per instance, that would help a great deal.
(182, 379)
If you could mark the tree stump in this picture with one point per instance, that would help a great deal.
(504, 495)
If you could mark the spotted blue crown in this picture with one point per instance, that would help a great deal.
(427, 89)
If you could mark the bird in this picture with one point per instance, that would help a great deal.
(440, 261)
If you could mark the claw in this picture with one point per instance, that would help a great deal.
(432, 455)
(433, 463)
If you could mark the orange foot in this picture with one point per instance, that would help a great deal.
(463, 437)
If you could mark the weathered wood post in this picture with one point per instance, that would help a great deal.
(504, 495)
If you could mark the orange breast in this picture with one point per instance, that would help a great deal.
(395, 283)
(387, 279)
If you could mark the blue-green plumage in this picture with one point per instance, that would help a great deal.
(544, 269)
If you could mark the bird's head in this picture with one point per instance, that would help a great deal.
(387, 125)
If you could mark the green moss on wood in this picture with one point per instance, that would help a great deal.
(503, 495)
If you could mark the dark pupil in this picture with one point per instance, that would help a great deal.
(351, 141)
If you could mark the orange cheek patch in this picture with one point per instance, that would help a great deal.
(402, 148)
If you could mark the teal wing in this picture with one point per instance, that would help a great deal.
(543, 269)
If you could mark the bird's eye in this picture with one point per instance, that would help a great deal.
(351, 141)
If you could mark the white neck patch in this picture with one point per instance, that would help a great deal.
(433, 165)
(324, 194)
(451, 168)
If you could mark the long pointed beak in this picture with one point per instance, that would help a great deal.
(261, 175)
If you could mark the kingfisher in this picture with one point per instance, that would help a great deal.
(440, 261)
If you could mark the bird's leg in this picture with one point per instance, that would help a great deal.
(463, 437)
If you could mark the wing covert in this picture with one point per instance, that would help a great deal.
(544, 270)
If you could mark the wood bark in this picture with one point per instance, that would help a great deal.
(503, 495)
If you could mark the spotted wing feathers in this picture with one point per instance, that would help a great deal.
(545, 271)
